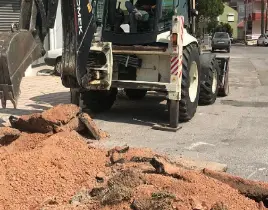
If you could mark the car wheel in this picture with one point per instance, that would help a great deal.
(57, 68)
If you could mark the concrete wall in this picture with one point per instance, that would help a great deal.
(56, 32)
(256, 28)
(224, 18)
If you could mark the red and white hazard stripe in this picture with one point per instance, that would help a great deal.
(174, 65)
(176, 61)
(182, 28)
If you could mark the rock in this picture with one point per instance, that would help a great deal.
(46, 121)
(100, 177)
(95, 132)
(164, 166)
(91, 146)
(73, 124)
(123, 149)
(117, 158)
(8, 135)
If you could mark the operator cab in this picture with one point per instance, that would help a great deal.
(136, 22)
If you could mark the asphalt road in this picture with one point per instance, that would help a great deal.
(233, 131)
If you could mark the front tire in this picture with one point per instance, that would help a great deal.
(210, 84)
(190, 85)
(75, 96)
(99, 100)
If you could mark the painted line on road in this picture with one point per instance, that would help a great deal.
(194, 145)
(254, 172)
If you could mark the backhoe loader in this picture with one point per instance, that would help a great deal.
(142, 46)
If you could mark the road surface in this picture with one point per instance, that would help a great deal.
(233, 131)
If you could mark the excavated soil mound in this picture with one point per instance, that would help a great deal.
(62, 170)
(36, 167)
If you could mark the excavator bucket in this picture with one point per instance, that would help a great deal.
(18, 50)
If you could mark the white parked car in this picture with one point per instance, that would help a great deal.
(53, 58)
(263, 40)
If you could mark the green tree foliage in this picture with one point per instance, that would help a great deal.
(208, 11)
(210, 8)
(211, 26)
(224, 27)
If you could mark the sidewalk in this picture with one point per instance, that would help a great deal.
(37, 93)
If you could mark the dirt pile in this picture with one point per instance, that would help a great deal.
(63, 117)
(61, 170)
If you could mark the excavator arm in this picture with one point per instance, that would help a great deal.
(21, 46)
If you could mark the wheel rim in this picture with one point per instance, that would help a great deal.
(215, 81)
(193, 76)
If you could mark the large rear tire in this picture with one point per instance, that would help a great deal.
(190, 85)
(99, 101)
(210, 84)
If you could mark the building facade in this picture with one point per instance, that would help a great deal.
(9, 13)
(253, 17)
(230, 16)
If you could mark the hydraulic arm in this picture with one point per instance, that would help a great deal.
(24, 43)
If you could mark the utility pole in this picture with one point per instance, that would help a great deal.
(245, 21)
(266, 16)
(262, 16)
(194, 19)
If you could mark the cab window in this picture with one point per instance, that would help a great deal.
(167, 13)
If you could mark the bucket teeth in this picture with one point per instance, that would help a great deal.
(18, 50)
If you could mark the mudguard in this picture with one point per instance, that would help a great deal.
(18, 50)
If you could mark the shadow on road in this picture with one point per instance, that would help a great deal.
(149, 111)
(245, 103)
(51, 99)
(11, 111)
